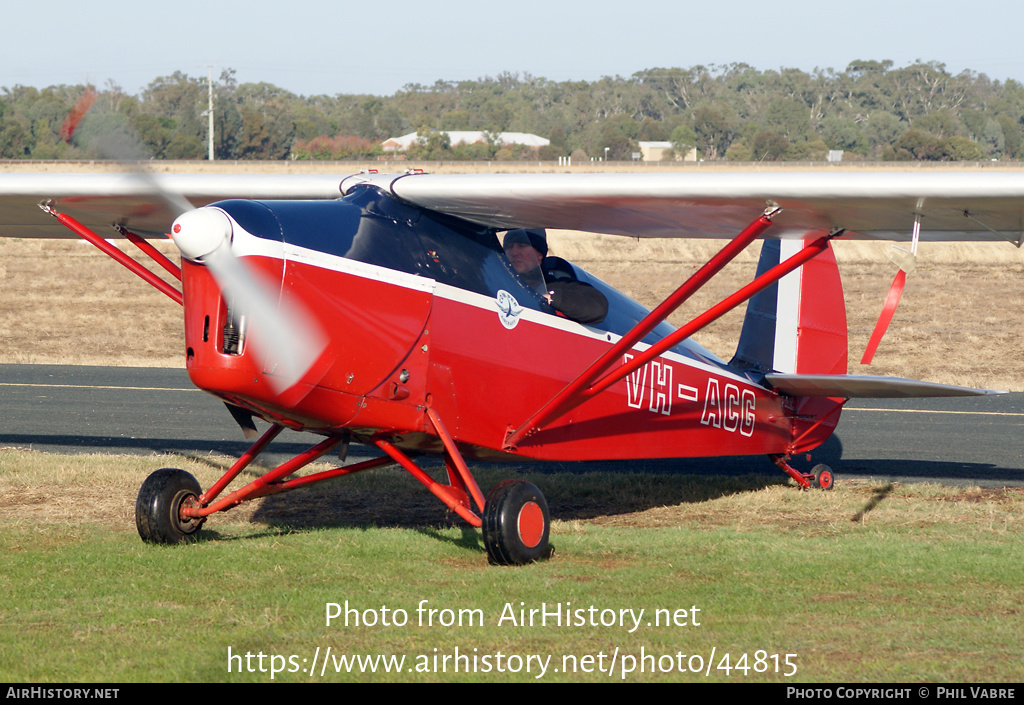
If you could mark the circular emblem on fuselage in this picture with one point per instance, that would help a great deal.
(508, 309)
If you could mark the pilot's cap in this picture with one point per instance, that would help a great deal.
(536, 238)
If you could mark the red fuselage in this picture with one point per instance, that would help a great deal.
(400, 342)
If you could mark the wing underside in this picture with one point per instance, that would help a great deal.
(956, 205)
(139, 202)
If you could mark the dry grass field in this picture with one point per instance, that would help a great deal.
(959, 321)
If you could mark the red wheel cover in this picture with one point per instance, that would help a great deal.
(530, 524)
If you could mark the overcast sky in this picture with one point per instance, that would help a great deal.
(318, 47)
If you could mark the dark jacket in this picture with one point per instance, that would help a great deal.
(572, 298)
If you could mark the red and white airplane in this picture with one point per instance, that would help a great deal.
(381, 309)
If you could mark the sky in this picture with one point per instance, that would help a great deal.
(313, 47)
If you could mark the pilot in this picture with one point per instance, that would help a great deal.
(553, 277)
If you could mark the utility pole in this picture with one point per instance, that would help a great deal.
(209, 109)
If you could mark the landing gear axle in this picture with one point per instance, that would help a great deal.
(514, 517)
(820, 476)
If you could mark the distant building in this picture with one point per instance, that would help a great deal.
(656, 151)
(835, 155)
(456, 137)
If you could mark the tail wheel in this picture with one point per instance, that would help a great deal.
(823, 477)
(516, 524)
(158, 507)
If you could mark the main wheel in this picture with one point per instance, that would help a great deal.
(157, 509)
(516, 524)
(823, 477)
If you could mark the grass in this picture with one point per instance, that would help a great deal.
(865, 583)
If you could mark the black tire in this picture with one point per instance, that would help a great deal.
(157, 508)
(823, 477)
(516, 524)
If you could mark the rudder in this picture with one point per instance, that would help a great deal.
(797, 325)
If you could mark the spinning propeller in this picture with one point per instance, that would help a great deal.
(283, 332)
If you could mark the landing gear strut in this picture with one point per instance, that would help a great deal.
(820, 476)
(514, 518)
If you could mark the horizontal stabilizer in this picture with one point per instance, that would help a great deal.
(866, 387)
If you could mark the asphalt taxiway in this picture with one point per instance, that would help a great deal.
(75, 409)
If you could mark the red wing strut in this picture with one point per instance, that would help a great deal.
(591, 382)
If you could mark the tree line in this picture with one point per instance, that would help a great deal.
(872, 111)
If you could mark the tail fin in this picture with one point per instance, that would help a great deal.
(797, 325)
